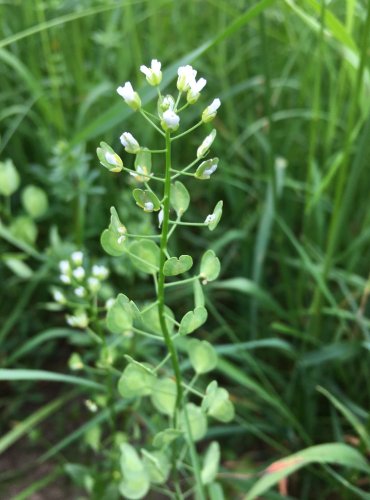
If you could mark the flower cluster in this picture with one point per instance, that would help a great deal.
(168, 120)
(84, 282)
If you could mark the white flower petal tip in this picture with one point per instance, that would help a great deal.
(148, 206)
(195, 90)
(186, 77)
(206, 144)
(79, 273)
(129, 142)
(170, 120)
(211, 111)
(130, 97)
(77, 257)
(153, 74)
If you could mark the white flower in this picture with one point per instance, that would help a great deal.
(78, 320)
(210, 112)
(65, 267)
(129, 142)
(210, 218)
(94, 284)
(195, 90)
(65, 279)
(59, 297)
(79, 273)
(186, 76)
(148, 206)
(160, 217)
(170, 120)
(109, 303)
(91, 405)
(80, 291)
(77, 258)
(130, 96)
(206, 144)
(100, 272)
(154, 73)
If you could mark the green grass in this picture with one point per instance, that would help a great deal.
(290, 310)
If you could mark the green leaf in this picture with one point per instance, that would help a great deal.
(147, 200)
(211, 463)
(164, 395)
(144, 255)
(197, 421)
(24, 228)
(35, 201)
(214, 218)
(174, 265)
(210, 266)
(180, 198)
(157, 466)
(135, 483)
(120, 316)
(206, 169)
(203, 356)
(135, 381)
(9, 178)
(113, 239)
(193, 320)
(109, 158)
(24, 374)
(333, 453)
(17, 266)
(166, 437)
(217, 403)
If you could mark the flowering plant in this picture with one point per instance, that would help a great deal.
(169, 460)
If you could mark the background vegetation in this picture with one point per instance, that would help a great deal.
(290, 312)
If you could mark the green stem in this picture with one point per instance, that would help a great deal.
(151, 122)
(182, 282)
(161, 278)
(187, 131)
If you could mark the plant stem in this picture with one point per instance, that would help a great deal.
(161, 277)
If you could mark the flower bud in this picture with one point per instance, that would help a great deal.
(154, 73)
(79, 273)
(129, 142)
(9, 178)
(130, 97)
(170, 120)
(206, 144)
(78, 320)
(108, 158)
(210, 112)
(77, 257)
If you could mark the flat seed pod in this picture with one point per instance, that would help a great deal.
(210, 266)
(203, 356)
(144, 255)
(193, 320)
(120, 315)
(175, 266)
(164, 395)
(180, 198)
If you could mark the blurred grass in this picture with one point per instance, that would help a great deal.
(293, 133)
